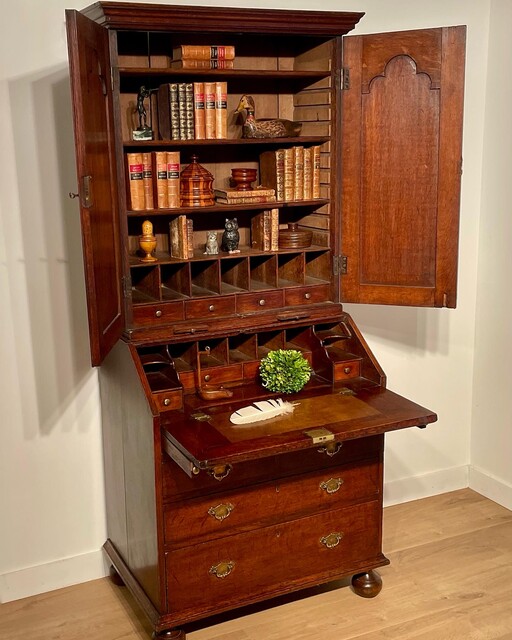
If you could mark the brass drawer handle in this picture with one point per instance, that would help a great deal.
(332, 485)
(220, 471)
(331, 448)
(223, 569)
(221, 511)
(332, 540)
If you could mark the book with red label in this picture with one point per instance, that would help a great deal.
(298, 173)
(199, 124)
(136, 181)
(203, 52)
(147, 179)
(202, 64)
(162, 201)
(221, 110)
(209, 110)
(173, 179)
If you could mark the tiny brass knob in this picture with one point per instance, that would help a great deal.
(221, 511)
(158, 313)
(167, 402)
(262, 302)
(206, 377)
(332, 485)
(332, 540)
(223, 569)
(307, 296)
(347, 369)
(211, 307)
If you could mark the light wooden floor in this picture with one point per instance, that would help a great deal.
(449, 578)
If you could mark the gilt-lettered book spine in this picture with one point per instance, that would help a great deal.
(308, 173)
(274, 229)
(187, 63)
(182, 102)
(260, 231)
(199, 125)
(272, 171)
(298, 173)
(221, 110)
(178, 237)
(316, 172)
(173, 179)
(209, 110)
(175, 111)
(136, 181)
(190, 238)
(147, 179)
(189, 111)
(161, 179)
(288, 173)
(203, 52)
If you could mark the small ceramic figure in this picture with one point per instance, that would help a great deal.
(231, 236)
(212, 246)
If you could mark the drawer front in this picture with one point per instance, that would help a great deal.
(188, 523)
(306, 295)
(178, 486)
(167, 400)
(218, 375)
(346, 370)
(247, 303)
(154, 314)
(213, 307)
(238, 569)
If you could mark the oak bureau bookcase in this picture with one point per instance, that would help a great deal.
(205, 516)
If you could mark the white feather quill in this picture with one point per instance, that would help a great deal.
(262, 410)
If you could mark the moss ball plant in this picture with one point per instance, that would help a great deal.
(285, 371)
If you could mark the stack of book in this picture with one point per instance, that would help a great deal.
(181, 235)
(193, 110)
(151, 174)
(294, 172)
(233, 196)
(265, 230)
(190, 56)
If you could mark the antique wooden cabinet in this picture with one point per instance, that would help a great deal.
(204, 515)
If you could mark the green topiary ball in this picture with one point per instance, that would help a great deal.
(285, 371)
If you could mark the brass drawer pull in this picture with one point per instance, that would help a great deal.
(332, 485)
(221, 511)
(220, 471)
(331, 448)
(332, 540)
(223, 569)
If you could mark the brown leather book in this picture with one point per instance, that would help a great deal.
(308, 173)
(136, 181)
(209, 110)
(221, 110)
(316, 172)
(298, 173)
(203, 52)
(272, 171)
(202, 64)
(173, 179)
(178, 237)
(260, 231)
(199, 123)
(160, 159)
(147, 179)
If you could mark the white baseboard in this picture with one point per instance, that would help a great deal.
(429, 484)
(490, 486)
(52, 575)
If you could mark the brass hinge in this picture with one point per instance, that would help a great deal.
(345, 79)
(339, 265)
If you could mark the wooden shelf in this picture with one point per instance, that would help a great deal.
(303, 140)
(225, 74)
(318, 202)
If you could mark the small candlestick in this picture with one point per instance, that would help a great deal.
(147, 242)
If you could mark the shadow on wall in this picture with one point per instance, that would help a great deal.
(50, 224)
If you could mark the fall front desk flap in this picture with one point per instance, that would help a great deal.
(207, 437)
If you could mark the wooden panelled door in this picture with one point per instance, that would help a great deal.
(93, 122)
(402, 158)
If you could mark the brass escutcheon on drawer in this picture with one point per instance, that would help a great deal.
(219, 471)
(332, 540)
(221, 511)
(332, 485)
(223, 569)
(331, 448)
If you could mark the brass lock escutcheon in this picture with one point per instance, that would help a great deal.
(331, 448)
(332, 540)
(332, 485)
(223, 569)
(219, 471)
(221, 511)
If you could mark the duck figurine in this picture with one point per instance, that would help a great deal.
(264, 127)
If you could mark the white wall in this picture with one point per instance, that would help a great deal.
(491, 442)
(51, 497)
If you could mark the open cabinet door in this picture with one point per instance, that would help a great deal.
(94, 140)
(402, 162)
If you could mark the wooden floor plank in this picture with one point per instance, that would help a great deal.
(449, 578)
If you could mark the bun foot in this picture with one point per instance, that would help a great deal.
(367, 585)
(170, 634)
(115, 577)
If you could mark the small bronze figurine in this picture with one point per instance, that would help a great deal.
(143, 131)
